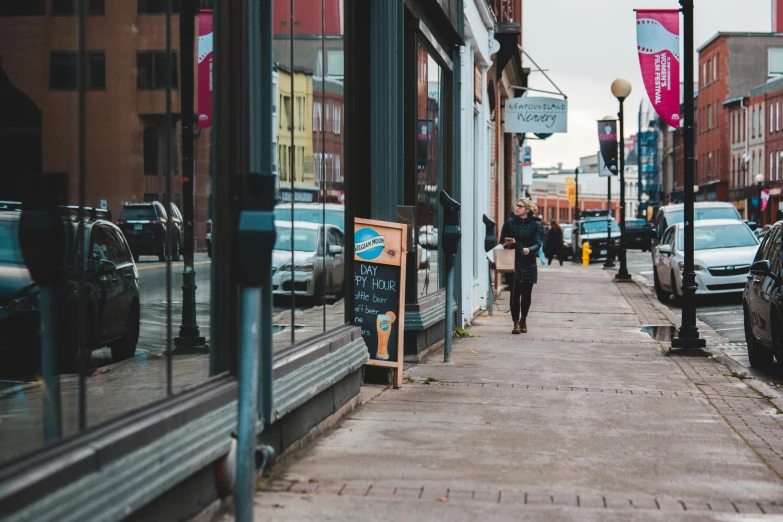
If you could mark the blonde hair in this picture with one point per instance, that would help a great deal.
(529, 205)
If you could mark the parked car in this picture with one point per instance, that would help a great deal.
(315, 269)
(669, 215)
(639, 233)
(568, 240)
(762, 302)
(112, 303)
(428, 237)
(145, 225)
(592, 228)
(312, 213)
(209, 237)
(723, 252)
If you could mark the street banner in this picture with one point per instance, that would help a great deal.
(204, 70)
(570, 186)
(764, 199)
(658, 44)
(379, 260)
(536, 115)
(607, 139)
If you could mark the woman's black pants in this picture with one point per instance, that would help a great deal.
(521, 294)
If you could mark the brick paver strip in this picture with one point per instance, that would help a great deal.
(532, 498)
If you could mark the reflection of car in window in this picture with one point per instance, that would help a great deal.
(112, 296)
(308, 260)
(144, 226)
(312, 213)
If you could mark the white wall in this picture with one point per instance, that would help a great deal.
(474, 183)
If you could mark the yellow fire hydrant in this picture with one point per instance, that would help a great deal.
(586, 251)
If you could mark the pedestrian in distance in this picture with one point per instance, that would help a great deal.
(541, 255)
(523, 233)
(554, 243)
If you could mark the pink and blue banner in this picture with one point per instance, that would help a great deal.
(658, 43)
(204, 69)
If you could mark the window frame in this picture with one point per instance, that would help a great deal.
(154, 54)
(91, 11)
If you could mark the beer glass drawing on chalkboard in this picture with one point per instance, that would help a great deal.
(384, 324)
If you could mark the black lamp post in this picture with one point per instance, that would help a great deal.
(622, 89)
(688, 336)
(189, 333)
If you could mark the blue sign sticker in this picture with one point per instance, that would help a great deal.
(368, 244)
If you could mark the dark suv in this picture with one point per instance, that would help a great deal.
(144, 226)
(112, 304)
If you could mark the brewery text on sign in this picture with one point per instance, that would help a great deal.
(379, 291)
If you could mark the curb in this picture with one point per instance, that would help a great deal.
(774, 396)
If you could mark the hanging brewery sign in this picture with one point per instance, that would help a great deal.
(537, 115)
(379, 291)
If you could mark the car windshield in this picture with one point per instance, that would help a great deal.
(719, 236)
(598, 226)
(305, 239)
(635, 223)
(10, 252)
(138, 213)
(311, 215)
(701, 214)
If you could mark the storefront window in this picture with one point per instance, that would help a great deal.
(430, 166)
(110, 150)
(309, 260)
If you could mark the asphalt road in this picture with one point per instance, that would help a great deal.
(723, 313)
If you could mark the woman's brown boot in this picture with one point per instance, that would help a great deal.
(522, 328)
(516, 328)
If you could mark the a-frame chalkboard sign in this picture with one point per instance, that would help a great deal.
(379, 291)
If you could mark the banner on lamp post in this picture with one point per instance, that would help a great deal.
(607, 139)
(764, 199)
(204, 70)
(570, 186)
(658, 44)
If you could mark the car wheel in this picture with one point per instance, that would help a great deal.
(659, 291)
(759, 356)
(125, 348)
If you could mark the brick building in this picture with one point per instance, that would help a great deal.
(125, 125)
(730, 65)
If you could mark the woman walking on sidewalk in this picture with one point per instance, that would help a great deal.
(554, 243)
(524, 234)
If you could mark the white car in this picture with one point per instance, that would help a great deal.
(723, 252)
(315, 268)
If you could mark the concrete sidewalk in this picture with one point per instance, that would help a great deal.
(582, 418)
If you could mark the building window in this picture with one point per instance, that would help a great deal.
(317, 117)
(335, 63)
(68, 8)
(150, 145)
(151, 70)
(771, 118)
(337, 120)
(770, 165)
(157, 6)
(97, 71)
(777, 116)
(63, 70)
(22, 8)
(287, 111)
(709, 117)
(715, 68)
(149, 197)
(775, 62)
(337, 175)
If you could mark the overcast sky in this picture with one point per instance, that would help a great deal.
(586, 44)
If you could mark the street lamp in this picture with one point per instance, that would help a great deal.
(688, 336)
(621, 89)
(760, 185)
(695, 189)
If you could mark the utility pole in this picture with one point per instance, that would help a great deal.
(688, 337)
(189, 333)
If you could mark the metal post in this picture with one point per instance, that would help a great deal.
(576, 195)
(609, 263)
(688, 335)
(449, 314)
(519, 187)
(759, 214)
(246, 423)
(52, 412)
(189, 332)
(623, 274)
(491, 292)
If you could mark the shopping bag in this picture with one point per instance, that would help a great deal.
(504, 260)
